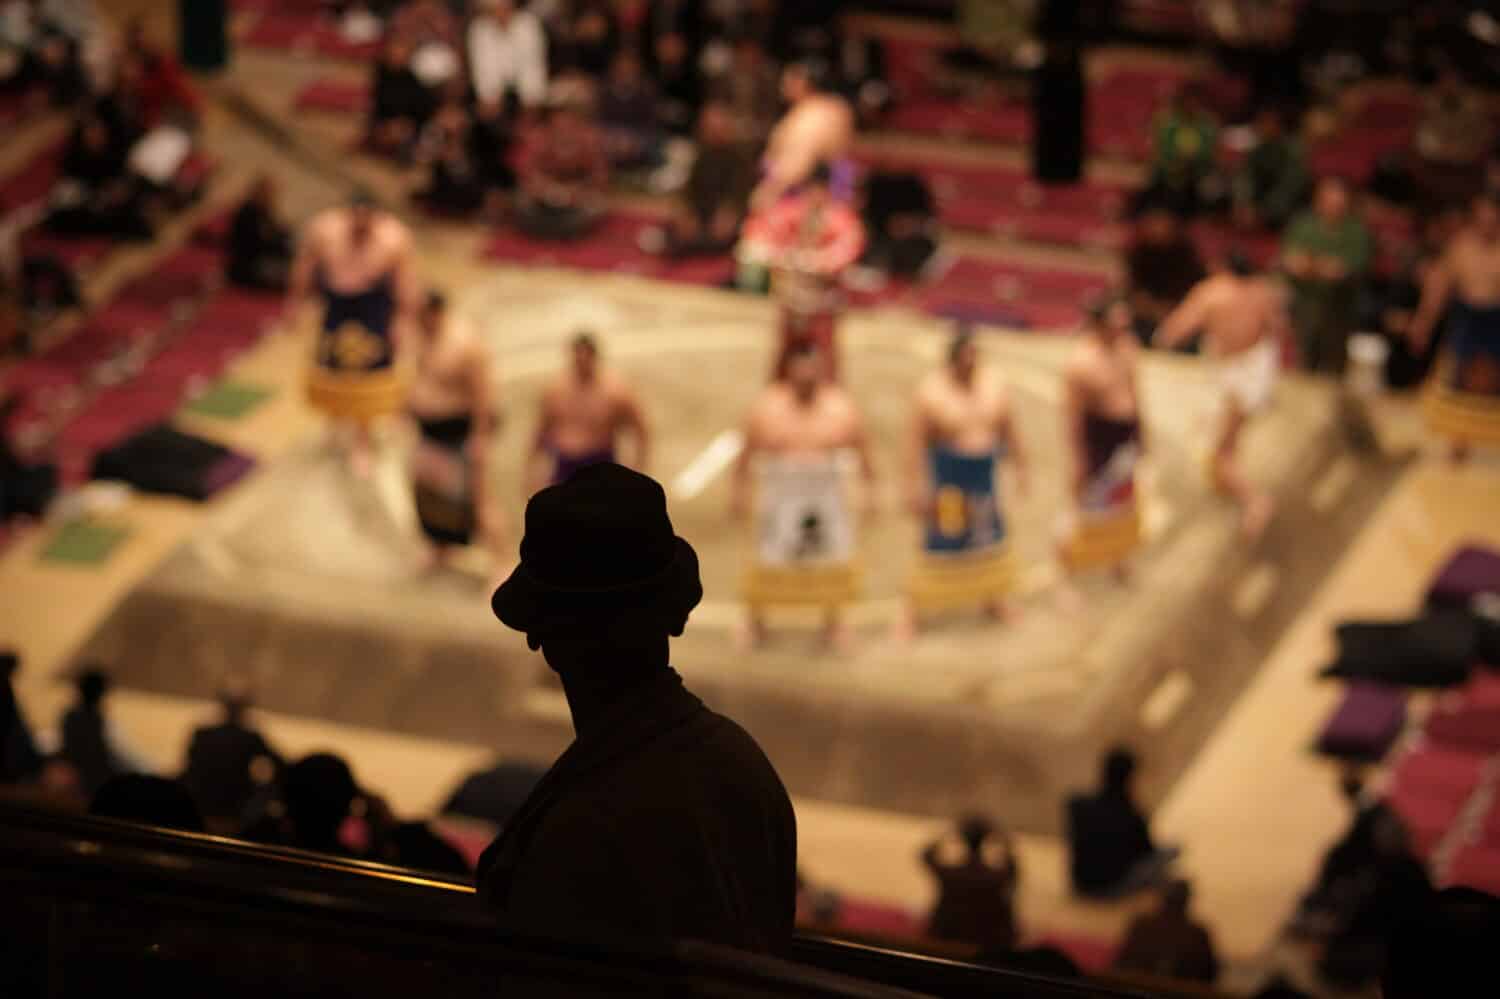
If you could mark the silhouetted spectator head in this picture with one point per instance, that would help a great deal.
(1445, 948)
(92, 684)
(974, 830)
(1119, 769)
(1331, 199)
(318, 791)
(154, 801)
(10, 662)
(1176, 896)
(236, 697)
(603, 579)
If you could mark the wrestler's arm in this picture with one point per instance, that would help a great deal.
(299, 280)
(1182, 322)
(408, 295)
(537, 460)
(859, 440)
(1436, 291)
(919, 483)
(739, 481)
(1011, 434)
(1075, 393)
(633, 418)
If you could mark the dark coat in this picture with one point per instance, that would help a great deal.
(975, 901)
(665, 821)
(217, 773)
(1169, 945)
(1107, 835)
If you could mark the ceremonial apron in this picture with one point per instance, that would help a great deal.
(966, 557)
(1109, 528)
(1462, 400)
(354, 377)
(442, 480)
(804, 535)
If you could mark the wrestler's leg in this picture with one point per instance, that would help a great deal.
(837, 632)
(362, 449)
(750, 633)
(907, 624)
(1256, 506)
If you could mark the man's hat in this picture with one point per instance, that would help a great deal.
(599, 551)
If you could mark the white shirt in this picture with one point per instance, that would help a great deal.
(506, 56)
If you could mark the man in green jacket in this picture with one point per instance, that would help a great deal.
(1272, 183)
(1325, 254)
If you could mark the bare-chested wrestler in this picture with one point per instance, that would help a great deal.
(358, 261)
(1242, 316)
(961, 428)
(1107, 437)
(793, 438)
(818, 127)
(1465, 283)
(452, 401)
(585, 411)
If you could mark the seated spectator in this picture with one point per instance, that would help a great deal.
(1347, 864)
(563, 176)
(1184, 155)
(97, 194)
(494, 794)
(1388, 307)
(628, 106)
(220, 771)
(1445, 948)
(26, 489)
(153, 801)
(1161, 266)
(87, 745)
(415, 845)
(1168, 943)
(977, 873)
(316, 795)
(20, 762)
(400, 104)
(700, 839)
(1453, 142)
(259, 250)
(1395, 885)
(456, 185)
(672, 45)
(162, 90)
(507, 56)
(589, 37)
(1110, 848)
(1272, 183)
(751, 89)
(34, 286)
(40, 49)
(712, 206)
(1325, 254)
(432, 31)
(900, 217)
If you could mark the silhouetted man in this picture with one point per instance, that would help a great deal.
(1167, 943)
(220, 758)
(663, 820)
(19, 757)
(976, 885)
(86, 742)
(1111, 850)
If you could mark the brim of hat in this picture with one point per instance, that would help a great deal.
(531, 606)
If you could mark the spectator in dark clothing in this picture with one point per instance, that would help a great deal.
(1167, 943)
(901, 224)
(717, 195)
(19, 759)
(154, 801)
(25, 488)
(97, 194)
(1445, 948)
(456, 185)
(1162, 265)
(1110, 847)
(160, 87)
(1059, 113)
(672, 43)
(977, 878)
(1347, 862)
(562, 177)
(628, 106)
(589, 37)
(259, 251)
(751, 89)
(400, 104)
(1272, 183)
(316, 795)
(1394, 885)
(222, 759)
(494, 794)
(1184, 152)
(415, 845)
(1388, 305)
(86, 743)
(663, 820)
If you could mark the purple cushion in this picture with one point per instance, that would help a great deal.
(1365, 723)
(1472, 570)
